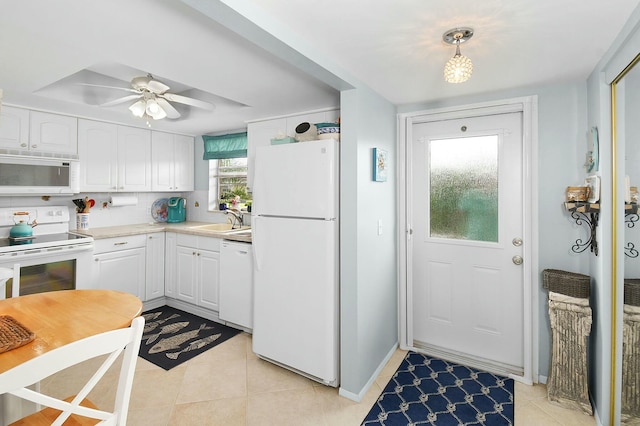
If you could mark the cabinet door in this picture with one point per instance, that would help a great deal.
(154, 277)
(183, 163)
(208, 278)
(97, 149)
(53, 133)
(186, 260)
(170, 273)
(162, 160)
(122, 270)
(134, 159)
(260, 134)
(14, 128)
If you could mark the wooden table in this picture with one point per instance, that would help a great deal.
(61, 317)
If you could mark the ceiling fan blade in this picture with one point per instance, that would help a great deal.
(168, 108)
(157, 87)
(120, 100)
(127, 89)
(188, 101)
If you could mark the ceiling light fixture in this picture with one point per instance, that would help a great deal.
(459, 68)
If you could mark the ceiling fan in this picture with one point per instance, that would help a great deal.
(152, 99)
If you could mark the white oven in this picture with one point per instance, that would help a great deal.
(52, 259)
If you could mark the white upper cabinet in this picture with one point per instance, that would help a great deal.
(172, 167)
(113, 158)
(14, 128)
(260, 133)
(24, 130)
(53, 133)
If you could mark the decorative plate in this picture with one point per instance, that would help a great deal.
(159, 209)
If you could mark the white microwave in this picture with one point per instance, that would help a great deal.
(25, 175)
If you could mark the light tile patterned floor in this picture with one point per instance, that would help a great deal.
(228, 385)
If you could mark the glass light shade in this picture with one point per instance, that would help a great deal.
(458, 69)
(138, 109)
(154, 110)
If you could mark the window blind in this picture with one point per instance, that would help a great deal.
(233, 145)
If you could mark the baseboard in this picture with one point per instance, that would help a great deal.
(357, 397)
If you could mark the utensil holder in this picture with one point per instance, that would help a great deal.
(82, 221)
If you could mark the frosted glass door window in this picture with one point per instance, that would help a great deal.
(463, 188)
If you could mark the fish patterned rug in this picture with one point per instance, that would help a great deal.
(432, 392)
(172, 336)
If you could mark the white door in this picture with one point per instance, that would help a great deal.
(467, 222)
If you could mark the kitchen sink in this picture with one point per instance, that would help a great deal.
(221, 227)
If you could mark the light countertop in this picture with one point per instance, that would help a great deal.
(149, 228)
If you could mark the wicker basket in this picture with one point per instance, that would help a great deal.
(567, 283)
(632, 291)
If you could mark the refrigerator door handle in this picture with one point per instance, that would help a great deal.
(254, 243)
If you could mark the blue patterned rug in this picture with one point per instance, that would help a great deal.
(429, 391)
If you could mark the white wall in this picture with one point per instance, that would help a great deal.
(368, 261)
(622, 51)
(562, 145)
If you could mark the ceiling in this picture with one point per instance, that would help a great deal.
(395, 47)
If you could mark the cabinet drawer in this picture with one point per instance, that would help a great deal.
(209, 243)
(119, 243)
(198, 242)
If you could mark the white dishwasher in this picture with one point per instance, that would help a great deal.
(236, 283)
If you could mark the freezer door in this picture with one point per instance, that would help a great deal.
(296, 295)
(297, 180)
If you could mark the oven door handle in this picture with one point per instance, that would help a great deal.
(46, 251)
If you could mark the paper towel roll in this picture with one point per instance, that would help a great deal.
(123, 200)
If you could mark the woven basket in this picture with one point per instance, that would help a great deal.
(632, 292)
(13, 334)
(567, 283)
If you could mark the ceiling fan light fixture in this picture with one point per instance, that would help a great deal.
(138, 108)
(154, 110)
(459, 68)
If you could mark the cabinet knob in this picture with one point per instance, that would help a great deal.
(193, 254)
(96, 260)
(34, 146)
(198, 254)
(23, 145)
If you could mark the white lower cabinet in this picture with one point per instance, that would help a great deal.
(154, 277)
(119, 264)
(193, 265)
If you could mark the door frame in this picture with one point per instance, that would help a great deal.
(528, 106)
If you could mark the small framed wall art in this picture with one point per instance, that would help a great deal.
(380, 165)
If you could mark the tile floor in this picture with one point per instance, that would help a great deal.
(228, 385)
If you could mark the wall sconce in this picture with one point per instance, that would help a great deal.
(459, 68)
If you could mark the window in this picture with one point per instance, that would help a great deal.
(228, 182)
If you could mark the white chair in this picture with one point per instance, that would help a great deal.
(113, 343)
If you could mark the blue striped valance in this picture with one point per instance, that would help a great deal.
(225, 146)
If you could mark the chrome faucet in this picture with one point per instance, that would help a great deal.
(237, 218)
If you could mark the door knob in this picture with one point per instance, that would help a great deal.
(517, 241)
(517, 260)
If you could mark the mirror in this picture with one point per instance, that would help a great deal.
(626, 126)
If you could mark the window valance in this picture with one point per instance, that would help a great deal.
(225, 146)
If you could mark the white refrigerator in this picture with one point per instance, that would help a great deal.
(295, 242)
